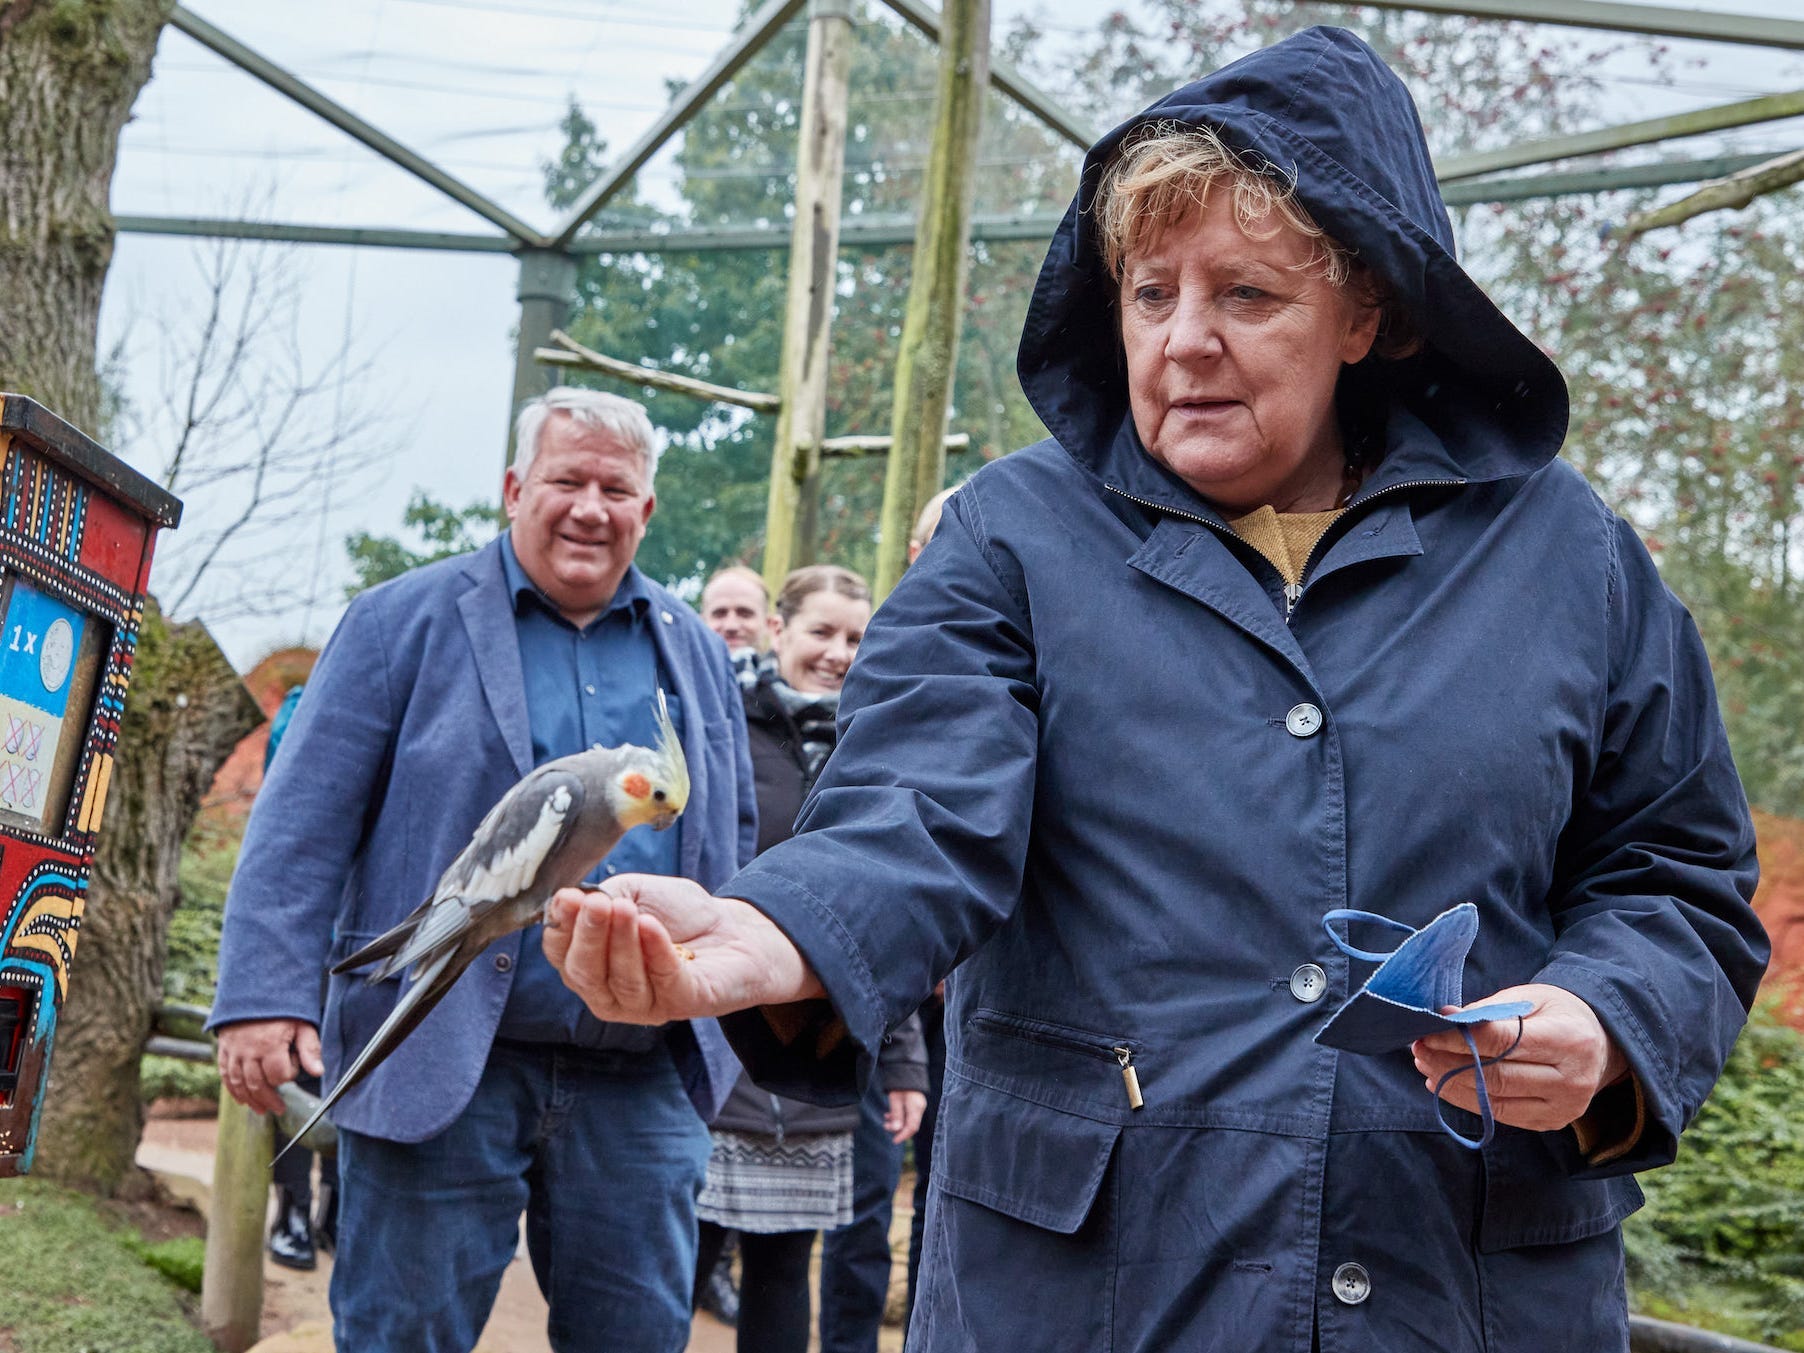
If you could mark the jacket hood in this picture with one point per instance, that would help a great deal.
(1323, 110)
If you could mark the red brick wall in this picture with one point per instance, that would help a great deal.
(238, 780)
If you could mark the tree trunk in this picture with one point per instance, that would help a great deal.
(69, 72)
(185, 711)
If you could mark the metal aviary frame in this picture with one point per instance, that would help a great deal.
(548, 257)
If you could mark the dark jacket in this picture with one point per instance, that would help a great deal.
(1065, 760)
(413, 726)
(784, 772)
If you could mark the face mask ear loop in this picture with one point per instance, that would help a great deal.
(1348, 914)
(1484, 1095)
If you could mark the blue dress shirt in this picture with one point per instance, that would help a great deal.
(597, 684)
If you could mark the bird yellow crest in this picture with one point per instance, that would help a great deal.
(669, 751)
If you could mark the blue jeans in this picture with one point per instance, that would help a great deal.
(855, 1258)
(604, 1154)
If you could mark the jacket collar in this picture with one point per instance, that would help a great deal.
(631, 595)
(1415, 454)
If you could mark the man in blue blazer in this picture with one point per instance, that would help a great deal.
(436, 693)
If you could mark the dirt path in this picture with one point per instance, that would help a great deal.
(297, 1317)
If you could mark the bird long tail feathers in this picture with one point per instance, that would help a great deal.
(385, 945)
(434, 980)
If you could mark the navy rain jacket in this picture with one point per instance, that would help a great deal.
(1066, 766)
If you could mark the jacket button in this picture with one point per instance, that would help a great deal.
(1303, 721)
(503, 963)
(1309, 983)
(1351, 1285)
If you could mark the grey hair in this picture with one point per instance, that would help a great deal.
(595, 409)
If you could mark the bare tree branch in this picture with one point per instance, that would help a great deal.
(254, 430)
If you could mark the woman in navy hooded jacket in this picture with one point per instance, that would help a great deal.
(1296, 611)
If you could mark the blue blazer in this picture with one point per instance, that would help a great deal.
(413, 725)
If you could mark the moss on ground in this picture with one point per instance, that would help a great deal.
(79, 1282)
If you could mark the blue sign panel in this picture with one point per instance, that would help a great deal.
(38, 643)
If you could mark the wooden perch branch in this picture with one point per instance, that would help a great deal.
(571, 353)
(1725, 194)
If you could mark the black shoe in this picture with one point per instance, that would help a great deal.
(325, 1219)
(291, 1240)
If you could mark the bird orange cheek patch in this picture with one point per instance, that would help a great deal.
(636, 785)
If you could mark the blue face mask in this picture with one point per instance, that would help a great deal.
(1402, 1001)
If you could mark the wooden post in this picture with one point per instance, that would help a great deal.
(936, 291)
(231, 1291)
(792, 528)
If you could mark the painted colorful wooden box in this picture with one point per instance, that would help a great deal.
(76, 530)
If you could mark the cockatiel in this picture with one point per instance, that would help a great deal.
(547, 833)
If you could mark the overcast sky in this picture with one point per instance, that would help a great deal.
(479, 86)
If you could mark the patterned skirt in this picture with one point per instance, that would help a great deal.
(759, 1184)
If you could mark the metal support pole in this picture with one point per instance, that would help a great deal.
(1007, 79)
(1747, 112)
(792, 526)
(1658, 21)
(746, 44)
(547, 287)
(286, 84)
(879, 231)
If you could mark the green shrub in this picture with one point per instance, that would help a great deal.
(1721, 1241)
(191, 967)
(173, 1078)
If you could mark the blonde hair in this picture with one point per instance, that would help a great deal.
(804, 582)
(1165, 172)
(929, 520)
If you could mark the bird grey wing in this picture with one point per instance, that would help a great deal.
(519, 834)
(502, 861)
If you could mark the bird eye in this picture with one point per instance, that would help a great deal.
(659, 795)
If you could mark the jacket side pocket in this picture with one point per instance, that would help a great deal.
(1038, 1165)
(1530, 1199)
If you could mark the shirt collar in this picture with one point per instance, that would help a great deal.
(632, 596)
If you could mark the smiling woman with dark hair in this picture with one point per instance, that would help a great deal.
(1294, 639)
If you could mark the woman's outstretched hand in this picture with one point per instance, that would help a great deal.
(1548, 1079)
(643, 949)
